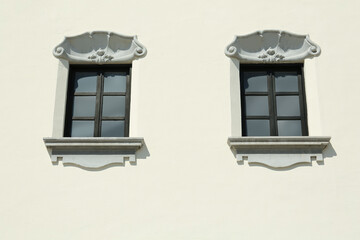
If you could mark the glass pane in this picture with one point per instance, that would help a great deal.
(112, 128)
(84, 106)
(85, 82)
(82, 128)
(115, 82)
(255, 81)
(286, 82)
(113, 106)
(288, 106)
(257, 105)
(258, 127)
(289, 127)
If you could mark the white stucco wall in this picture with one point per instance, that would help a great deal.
(190, 187)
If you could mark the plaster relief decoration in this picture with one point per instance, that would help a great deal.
(272, 46)
(279, 152)
(100, 47)
(93, 152)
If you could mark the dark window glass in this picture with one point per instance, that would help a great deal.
(112, 129)
(85, 82)
(98, 103)
(257, 105)
(255, 81)
(286, 81)
(114, 106)
(115, 82)
(273, 100)
(84, 106)
(82, 128)
(289, 127)
(258, 127)
(287, 105)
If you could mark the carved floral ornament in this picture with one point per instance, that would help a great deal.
(272, 46)
(100, 47)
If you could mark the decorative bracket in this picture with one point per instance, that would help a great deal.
(272, 46)
(278, 152)
(93, 152)
(100, 47)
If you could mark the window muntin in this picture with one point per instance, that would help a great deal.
(273, 100)
(98, 101)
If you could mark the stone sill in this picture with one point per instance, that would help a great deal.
(278, 151)
(93, 152)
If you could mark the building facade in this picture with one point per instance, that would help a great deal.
(179, 159)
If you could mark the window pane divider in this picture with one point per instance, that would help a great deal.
(83, 118)
(113, 118)
(98, 105)
(257, 117)
(256, 93)
(114, 94)
(85, 94)
(287, 94)
(272, 105)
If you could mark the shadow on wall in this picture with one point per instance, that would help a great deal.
(140, 154)
(328, 152)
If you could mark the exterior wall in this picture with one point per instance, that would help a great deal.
(190, 187)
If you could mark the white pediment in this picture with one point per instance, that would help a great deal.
(270, 46)
(100, 47)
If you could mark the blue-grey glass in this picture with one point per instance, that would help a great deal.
(289, 128)
(113, 106)
(85, 82)
(112, 128)
(255, 82)
(286, 82)
(258, 127)
(257, 105)
(84, 106)
(82, 128)
(288, 106)
(115, 82)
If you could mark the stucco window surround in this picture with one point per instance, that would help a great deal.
(275, 47)
(91, 48)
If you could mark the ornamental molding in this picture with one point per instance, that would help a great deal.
(100, 47)
(93, 152)
(272, 46)
(279, 152)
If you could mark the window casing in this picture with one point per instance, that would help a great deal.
(95, 55)
(273, 100)
(98, 101)
(270, 51)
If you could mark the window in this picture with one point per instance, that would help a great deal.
(92, 101)
(98, 101)
(273, 100)
(269, 115)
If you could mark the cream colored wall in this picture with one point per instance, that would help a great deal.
(190, 187)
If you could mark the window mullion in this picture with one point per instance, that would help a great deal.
(98, 106)
(272, 104)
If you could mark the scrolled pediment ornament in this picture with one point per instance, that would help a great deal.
(272, 46)
(100, 47)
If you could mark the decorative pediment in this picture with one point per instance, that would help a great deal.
(272, 46)
(100, 47)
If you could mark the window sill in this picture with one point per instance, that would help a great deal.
(93, 152)
(278, 152)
